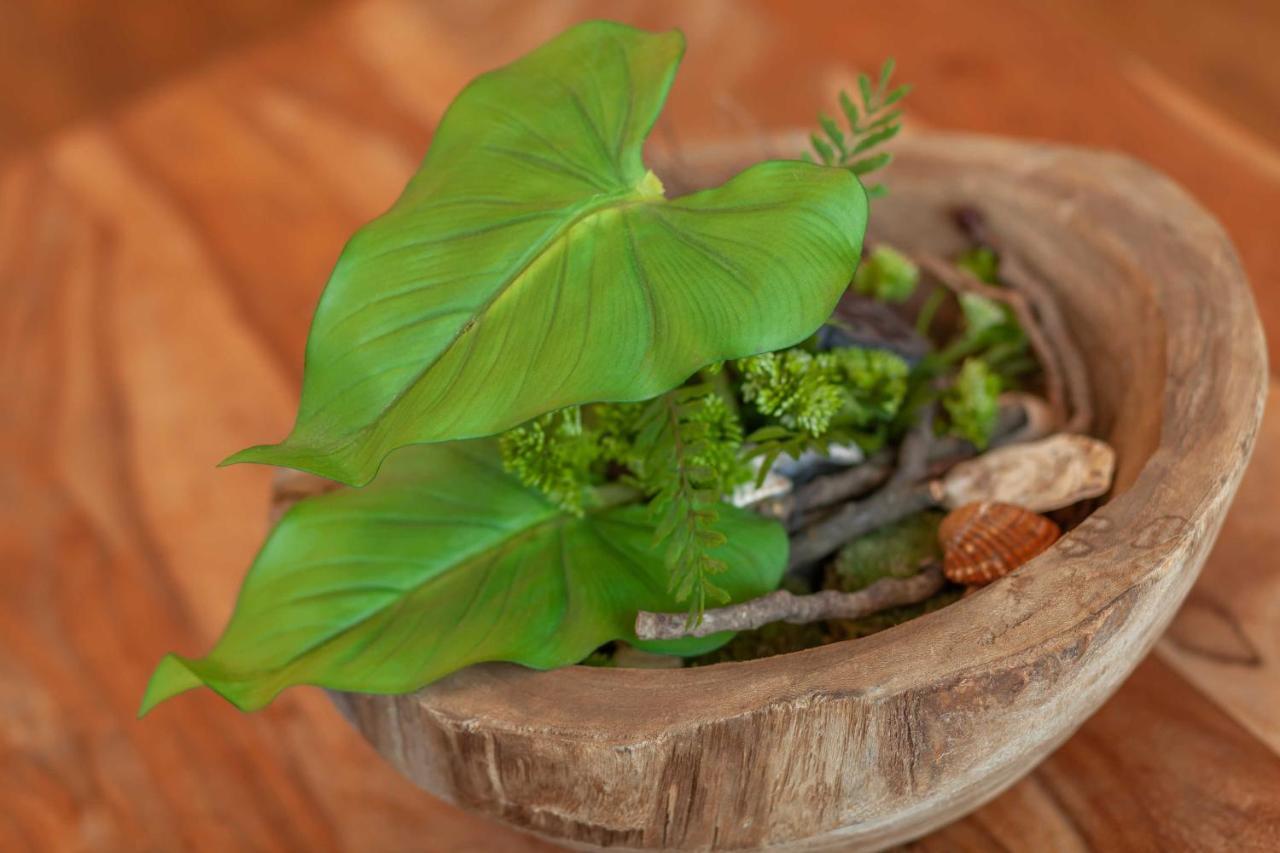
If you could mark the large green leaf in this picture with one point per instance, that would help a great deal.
(444, 561)
(533, 263)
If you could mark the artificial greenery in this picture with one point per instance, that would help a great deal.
(555, 455)
(447, 560)
(810, 401)
(989, 354)
(971, 402)
(685, 451)
(870, 122)
(886, 274)
(534, 263)
(560, 377)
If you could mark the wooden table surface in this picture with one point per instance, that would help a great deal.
(158, 266)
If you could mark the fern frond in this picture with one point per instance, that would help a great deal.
(871, 123)
(685, 453)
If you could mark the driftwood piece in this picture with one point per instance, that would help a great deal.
(1042, 476)
(867, 743)
(784, 606)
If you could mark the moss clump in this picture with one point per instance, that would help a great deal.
(895, 551)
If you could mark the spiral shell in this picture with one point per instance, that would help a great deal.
(986, 540)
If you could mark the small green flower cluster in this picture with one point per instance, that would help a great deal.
(848, 387)
(566, 453)
(553, 454)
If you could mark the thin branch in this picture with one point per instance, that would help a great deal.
(962, 281)
(889, 505)
(783, 606)
(1075, 372)
(827, 489)
(913, 454)
(1014, 422)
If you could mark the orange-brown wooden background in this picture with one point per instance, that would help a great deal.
(176, 179)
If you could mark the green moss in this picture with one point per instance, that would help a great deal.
(895, 551)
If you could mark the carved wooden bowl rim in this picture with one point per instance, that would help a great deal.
(1045, 615)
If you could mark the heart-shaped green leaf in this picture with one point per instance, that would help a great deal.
(533, 263)
(444, 561)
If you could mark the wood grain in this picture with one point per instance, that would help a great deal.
(157, 270)
(64, 60)
(1226, 638)
(1134, 778)
(1217, 53)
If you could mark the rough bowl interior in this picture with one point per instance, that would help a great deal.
(869, 742)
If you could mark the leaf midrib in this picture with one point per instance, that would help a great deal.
(621, 200)
(558, 518)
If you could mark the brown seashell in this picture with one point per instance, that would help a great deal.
(986, 540)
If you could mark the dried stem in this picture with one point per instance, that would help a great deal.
(828, 489)
(1075, 373)
(913, 455)
(889, 505)
(783, 606)
(961, 281)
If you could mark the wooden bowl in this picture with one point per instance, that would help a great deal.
(864, 743)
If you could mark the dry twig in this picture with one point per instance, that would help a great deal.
(783, 606)
(961, 281)
(1015, 272)
(859, 518)
(1017, 421)
(1075, 373)
(827, 489)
